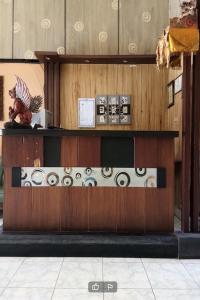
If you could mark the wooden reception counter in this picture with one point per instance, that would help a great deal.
(120, 207)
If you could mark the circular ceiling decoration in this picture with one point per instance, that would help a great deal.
(45, 23)
(79, 26)
(132, 48)
(103, 36)
(29, 54)
(61, 50)
(17, 27)
(115, 4)
(146, 17)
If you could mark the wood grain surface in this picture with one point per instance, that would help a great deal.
(136, 210)
(159, 203)
(144, 83)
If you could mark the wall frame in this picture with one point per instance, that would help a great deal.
(86, 112)
(170, 94)
(178, 84)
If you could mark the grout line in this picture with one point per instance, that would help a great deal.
(15, 272)
(148, 279)
(193, 279)
(3, 289)
(61, 265)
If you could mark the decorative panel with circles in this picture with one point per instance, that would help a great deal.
(93, 177)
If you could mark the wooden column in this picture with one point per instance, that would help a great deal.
(195, 179)
(186, 143)
(52, 90)
(195, 155)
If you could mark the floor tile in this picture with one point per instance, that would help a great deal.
(1, 291)
(7, 259)
(190, 261)
(78, 274)
(194, 271)
(7, 270)
(170, 276)
(121, 259)
(160, 260)
(44, 259)
(69, 294)
(129, 294)
(177, 294)
(127, 275)
(26, 294)
(36, 274)
(83, 259)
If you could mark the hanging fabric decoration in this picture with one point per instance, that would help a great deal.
(181, 36)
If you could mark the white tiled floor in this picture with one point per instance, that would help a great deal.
(67, 278)
(52, 278)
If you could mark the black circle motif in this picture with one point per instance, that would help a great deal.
(52, 179)
(140, 171)
(89, 182)
(27, 183)
(78, 175)
(122, 179)
(23, 174)
(68, 170)
(107, 172)
(37, 176)
(67, 181)
(88, 171)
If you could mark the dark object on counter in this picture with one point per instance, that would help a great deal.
(14, 125)
(36, 126)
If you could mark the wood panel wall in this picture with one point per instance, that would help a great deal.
(140, 24)
(174, 116)
(6, 12)
(144, 83)
(38, 25)
(80, 26)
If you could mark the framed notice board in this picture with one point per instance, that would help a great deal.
(86, 112)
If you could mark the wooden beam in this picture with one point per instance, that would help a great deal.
(44, 57)
(52, 90)
(186, 143)
(195, 180)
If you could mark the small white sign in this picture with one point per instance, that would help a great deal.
(86, 112)
(178, 84)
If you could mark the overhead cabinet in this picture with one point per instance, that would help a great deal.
(38, 25)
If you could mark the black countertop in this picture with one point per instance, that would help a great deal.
(104, 133)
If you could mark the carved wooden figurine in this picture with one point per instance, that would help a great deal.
(23, 107)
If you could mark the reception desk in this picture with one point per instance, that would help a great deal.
(79, 201)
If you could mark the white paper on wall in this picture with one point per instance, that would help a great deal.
(86, 112)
